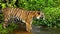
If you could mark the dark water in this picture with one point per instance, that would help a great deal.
(44, 30)
(36, 30)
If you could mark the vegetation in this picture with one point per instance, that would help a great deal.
(51, 9)
(9, 29)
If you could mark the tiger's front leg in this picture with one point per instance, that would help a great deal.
(28, 27)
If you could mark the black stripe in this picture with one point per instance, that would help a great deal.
(17, 11)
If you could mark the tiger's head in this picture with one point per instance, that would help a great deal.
(40, 15)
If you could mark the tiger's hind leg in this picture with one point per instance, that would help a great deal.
(5, 23)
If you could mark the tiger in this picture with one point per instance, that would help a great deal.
(25, 15)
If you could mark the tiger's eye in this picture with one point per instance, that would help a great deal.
(38, 12)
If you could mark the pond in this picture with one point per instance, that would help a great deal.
(36, 30)
(45, 30)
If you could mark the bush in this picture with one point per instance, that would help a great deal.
(31, 4)
(52, 17)
(37, 4)
(1, 17)
(8, 29)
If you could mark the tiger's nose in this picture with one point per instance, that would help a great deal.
(42, 18)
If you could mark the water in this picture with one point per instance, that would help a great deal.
(44, 30)
(36, 30)
(21, 29)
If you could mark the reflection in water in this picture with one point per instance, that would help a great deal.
(21, 29)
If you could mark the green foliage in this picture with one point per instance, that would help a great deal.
(37, 4)
(8, 29)
(31, 4)
(1, 18)
(52, 18)
(7, 3)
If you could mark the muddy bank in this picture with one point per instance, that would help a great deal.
(21, 32)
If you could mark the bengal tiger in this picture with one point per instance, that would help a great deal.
(24, 15)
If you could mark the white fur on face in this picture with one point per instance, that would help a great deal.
(38, 17)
